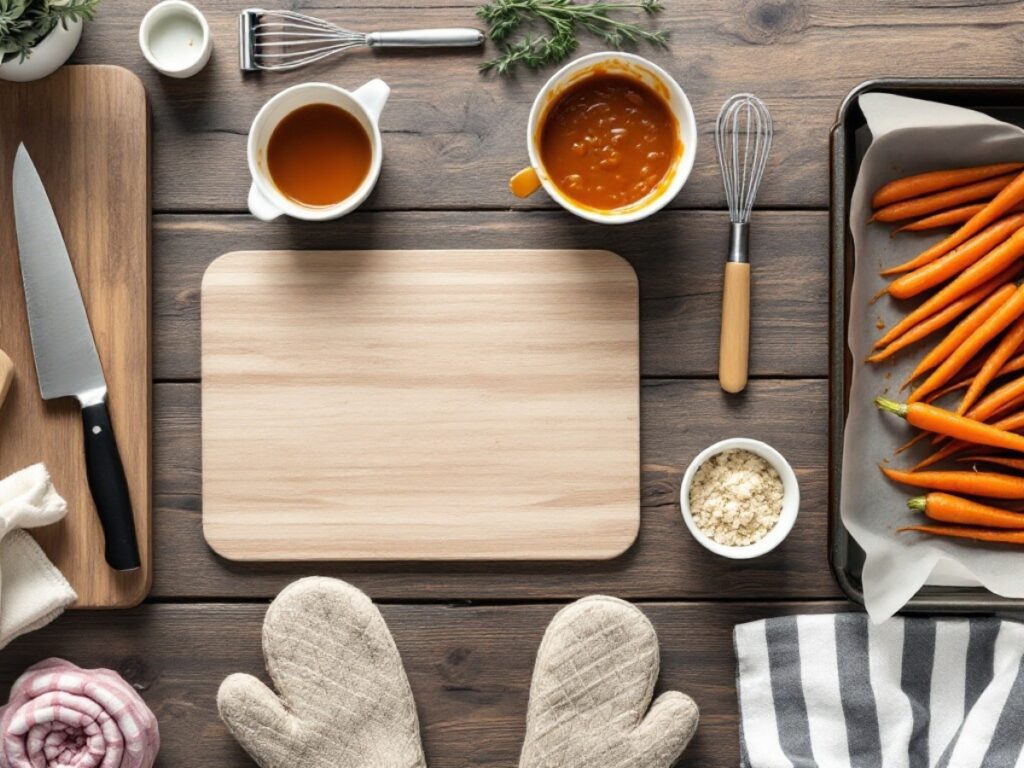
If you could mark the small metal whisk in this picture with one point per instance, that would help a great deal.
(743, 137)
(277, 41)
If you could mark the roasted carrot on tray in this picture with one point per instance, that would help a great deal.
(941, 219)
(943, 422)
(941, 319)
(962, 331)
(968, 532)
(934, 181)
(956, 261)
(946, 508)
(1004, 256)
(1002, 461)
(993, 485)
(1000, 320)
(940, 201)
(1009, 343)
(1011, 196)
(1014, 364)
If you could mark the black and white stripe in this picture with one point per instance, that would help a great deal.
(836, 691)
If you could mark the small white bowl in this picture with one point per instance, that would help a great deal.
(167, 41)
(790, 498)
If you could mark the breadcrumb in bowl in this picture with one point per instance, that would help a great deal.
(739, 498)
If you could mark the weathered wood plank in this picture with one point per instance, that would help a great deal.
(678, 420)
(679, 257)
(452, 138)
(469, 668)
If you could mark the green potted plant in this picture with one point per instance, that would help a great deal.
(37, 36)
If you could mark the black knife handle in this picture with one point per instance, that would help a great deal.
(109, 488)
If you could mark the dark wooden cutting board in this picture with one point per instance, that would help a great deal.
(87, 130)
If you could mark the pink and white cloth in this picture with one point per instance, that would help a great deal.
(62, 716)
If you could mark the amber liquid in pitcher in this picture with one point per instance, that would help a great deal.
(319, 155)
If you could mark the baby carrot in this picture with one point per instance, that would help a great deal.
(1003, 461)
(956, 261)
(1002, 257)
(1007, 345)
(945, 218)
(939, 201)
(962, 331)
(941, 219)
(1009, 423)
(933, 181)
(1010, 392)
(1000, 320)
(1016, 363)
(937, 321)
(943, 422)
(966, 532)
(946, 508)
(1011, 195)
(992, 484)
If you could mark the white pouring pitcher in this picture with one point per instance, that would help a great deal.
(365, 104)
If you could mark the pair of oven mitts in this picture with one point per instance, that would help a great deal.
(343, 700)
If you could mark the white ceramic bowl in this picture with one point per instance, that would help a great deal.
(182, 62)
(790, 498)
(661, 82)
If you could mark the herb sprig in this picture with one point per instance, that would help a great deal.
(564, 19)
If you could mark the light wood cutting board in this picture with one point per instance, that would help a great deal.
(87, 129)
(411, 405)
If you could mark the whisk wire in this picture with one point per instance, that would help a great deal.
(743, 138)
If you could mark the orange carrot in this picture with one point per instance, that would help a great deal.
(991, 484)
(1010, 392)
(1012, 195)
(956, 261)
(939, 320)
(965, 532)
(1002, 461)
(1013, 365)
(933, 181)
(940, 201)
(962, 331)
(1000, 320)
(947, 508)
(1007, 345)
(941, 219)
(946, 218)
(1010, 423)
(943, 422)
(1003, 256)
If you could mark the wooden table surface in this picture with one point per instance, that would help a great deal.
(469, 633)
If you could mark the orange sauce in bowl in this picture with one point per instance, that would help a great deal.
(608, 141)
(319, 155)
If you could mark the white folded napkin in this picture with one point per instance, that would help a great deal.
(33, 592)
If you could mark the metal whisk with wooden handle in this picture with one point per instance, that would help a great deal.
(743, 137)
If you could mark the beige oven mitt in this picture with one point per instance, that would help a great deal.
(342, 701)
(592, 686)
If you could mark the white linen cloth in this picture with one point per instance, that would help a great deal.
(838, 691)
(33, 592)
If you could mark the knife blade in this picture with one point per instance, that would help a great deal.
(67, 364)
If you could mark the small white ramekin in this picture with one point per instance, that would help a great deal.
(790, 498)
(159, 12)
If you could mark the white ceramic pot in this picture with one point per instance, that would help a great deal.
(535, 175)
(47, 56)
(365, 104)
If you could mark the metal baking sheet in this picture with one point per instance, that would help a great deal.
(1000, 98)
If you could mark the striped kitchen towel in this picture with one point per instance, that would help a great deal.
(836, 691)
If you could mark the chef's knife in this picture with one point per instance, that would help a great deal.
(66, 361)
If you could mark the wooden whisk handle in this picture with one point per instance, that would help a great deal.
(734, 344)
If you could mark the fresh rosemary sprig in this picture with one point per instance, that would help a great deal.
(564, 19)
